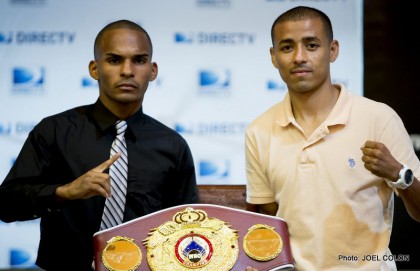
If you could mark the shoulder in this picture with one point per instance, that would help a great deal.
(65, 118)
(374, 108)
(268, 118)
(72, 113)
(363, 105)
(376, 117)
(51, 128)
(162, 129)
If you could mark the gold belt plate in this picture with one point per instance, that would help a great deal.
(121, 254)
(192, 241)
(262, 243)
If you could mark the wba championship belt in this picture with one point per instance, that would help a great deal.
(200, 237)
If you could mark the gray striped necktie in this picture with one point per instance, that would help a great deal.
(114, 205)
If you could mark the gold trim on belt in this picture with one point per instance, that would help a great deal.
(192, 240)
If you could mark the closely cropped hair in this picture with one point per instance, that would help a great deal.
(301, 13)
(121, 24)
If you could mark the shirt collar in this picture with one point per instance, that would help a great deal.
(341, 111)
(338, 115)
(105, 119)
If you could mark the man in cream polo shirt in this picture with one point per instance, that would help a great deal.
(325, 160)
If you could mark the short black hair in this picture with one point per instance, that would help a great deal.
(300, 13)
(121, 24)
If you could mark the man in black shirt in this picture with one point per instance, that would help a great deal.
(61, 173)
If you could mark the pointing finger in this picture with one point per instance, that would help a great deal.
(105, 165)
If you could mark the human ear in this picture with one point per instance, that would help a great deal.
(334, 50)
(154, 73)
(93, 70)
(273, 58)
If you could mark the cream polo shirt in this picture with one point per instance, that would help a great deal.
(339, 214)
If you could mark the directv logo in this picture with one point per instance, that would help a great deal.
(5, 129)
(28, 80)
(20, 127)
(89, 82)
(182, 38)
(6, 38)
(22, 258)
(213, 3)
(220, 38)
(276, 86)
(214, 82)
(182, 129)
(212, 128)
(214, 169)
(28, 2)
(39, 37)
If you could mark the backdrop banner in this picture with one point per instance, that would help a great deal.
(215, 75)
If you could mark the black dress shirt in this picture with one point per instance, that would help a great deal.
(61, 148)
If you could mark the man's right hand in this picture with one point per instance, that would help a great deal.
(92, 183)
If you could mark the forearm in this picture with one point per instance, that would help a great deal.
(267, 209)
(19, 202)
(411, 199)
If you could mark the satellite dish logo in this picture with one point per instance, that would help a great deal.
(28, 80)
(183, 38)
(6, 38)
(182, 129)
(214, 169)
(276, 86)
(89, 82)
(20, 258)
(5, 129)
(214, 82)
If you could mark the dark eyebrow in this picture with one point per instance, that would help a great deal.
(311, 38)
(305, 39)
(286, 41)
(142, 55)
(118, 55)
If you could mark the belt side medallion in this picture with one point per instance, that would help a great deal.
(121, 254)
(262, 243)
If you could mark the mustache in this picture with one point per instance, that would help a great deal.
(301, 68)
(126, 83)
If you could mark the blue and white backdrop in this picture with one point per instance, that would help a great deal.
(215, 75)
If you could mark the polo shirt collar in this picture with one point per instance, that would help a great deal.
(338, 115)
(341, 111)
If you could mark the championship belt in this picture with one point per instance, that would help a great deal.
(200, 237)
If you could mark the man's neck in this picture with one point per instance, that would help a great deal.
(310, 109)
